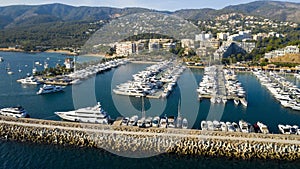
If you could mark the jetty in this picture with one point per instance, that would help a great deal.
(134, 140)
(220, 85)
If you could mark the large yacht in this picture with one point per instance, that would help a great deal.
(94, 114)
(17, 112)
(29, 80)
(49, 89)
(263, 128)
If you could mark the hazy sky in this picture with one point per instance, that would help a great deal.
(152, 4)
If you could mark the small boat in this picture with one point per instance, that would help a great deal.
(125, 121)
(9, 72)
(148, 122)
(94, 114)
(184, 123)
(17, 112)
(236, 127)
(210, 126)
(294, 129)
(133, 120)
(256, 128)
(244, 126)
(244, 102)
(163, 122)
(230, 127)
(29, 80)
(171, 122)
(49, 89)
(141, 122)
(155, 121)
(204, 125)
(217, 125)
(284, 129)
(263, 128)
(1, 59)
(236, 101)
(223, 126)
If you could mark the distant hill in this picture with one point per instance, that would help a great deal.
(284, 11)
(20, 15)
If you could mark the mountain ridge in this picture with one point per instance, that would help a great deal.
(19, 15)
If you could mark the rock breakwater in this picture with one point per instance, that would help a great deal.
(138, 142)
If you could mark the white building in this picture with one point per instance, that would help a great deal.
(125, 48)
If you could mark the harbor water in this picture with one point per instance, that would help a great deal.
(261, 107)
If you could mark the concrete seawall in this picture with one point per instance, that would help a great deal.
(133, 141)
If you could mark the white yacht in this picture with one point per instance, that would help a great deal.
(125, 121)
(244, 102)
(141, 122)
(148, 122)
(204, 125)
(230, 127)
(94, 114)
(163, 122)
(263, 128)
(223, 126)
(236, 101)
(236, 127)
(29, 80)
(244, 126)
(184, 123)
(284, 129)
(17, 112)
(1, 59)
(155, 121)
(133, 120)
(171, 122)
(49, 89)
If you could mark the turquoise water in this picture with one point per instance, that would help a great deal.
(261, 107)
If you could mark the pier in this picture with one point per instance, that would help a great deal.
(116, 138)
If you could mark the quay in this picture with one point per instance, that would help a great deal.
(125, 139)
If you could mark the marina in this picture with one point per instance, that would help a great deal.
(232, 114)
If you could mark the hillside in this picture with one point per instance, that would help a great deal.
(20, 15)
(290, 58)
(276, 10)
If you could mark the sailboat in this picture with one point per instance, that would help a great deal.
(9, 70)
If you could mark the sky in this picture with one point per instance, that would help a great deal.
(170, 5)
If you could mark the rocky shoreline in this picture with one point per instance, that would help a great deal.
(137, 142)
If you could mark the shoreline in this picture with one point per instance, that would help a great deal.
(119, 139)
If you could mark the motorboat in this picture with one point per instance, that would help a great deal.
(244, 102)
(171, 122)
(148, 122)
(236, 127)
(141, 122)
(217, 125)
(244, 126)
(17, 112)
(284, 129)
(230, 127)
(294, 129)
(184, 123)
(49, 89)
(94, 114)
(125, 121)
(236, 101)
(223, 126)
(204, 125)
(133, 120)
(1, 59)
(155, 121)
(210, 126)
(29, 80)
(263, 128)
(163, 122)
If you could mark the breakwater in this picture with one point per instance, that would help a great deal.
(137, 141)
